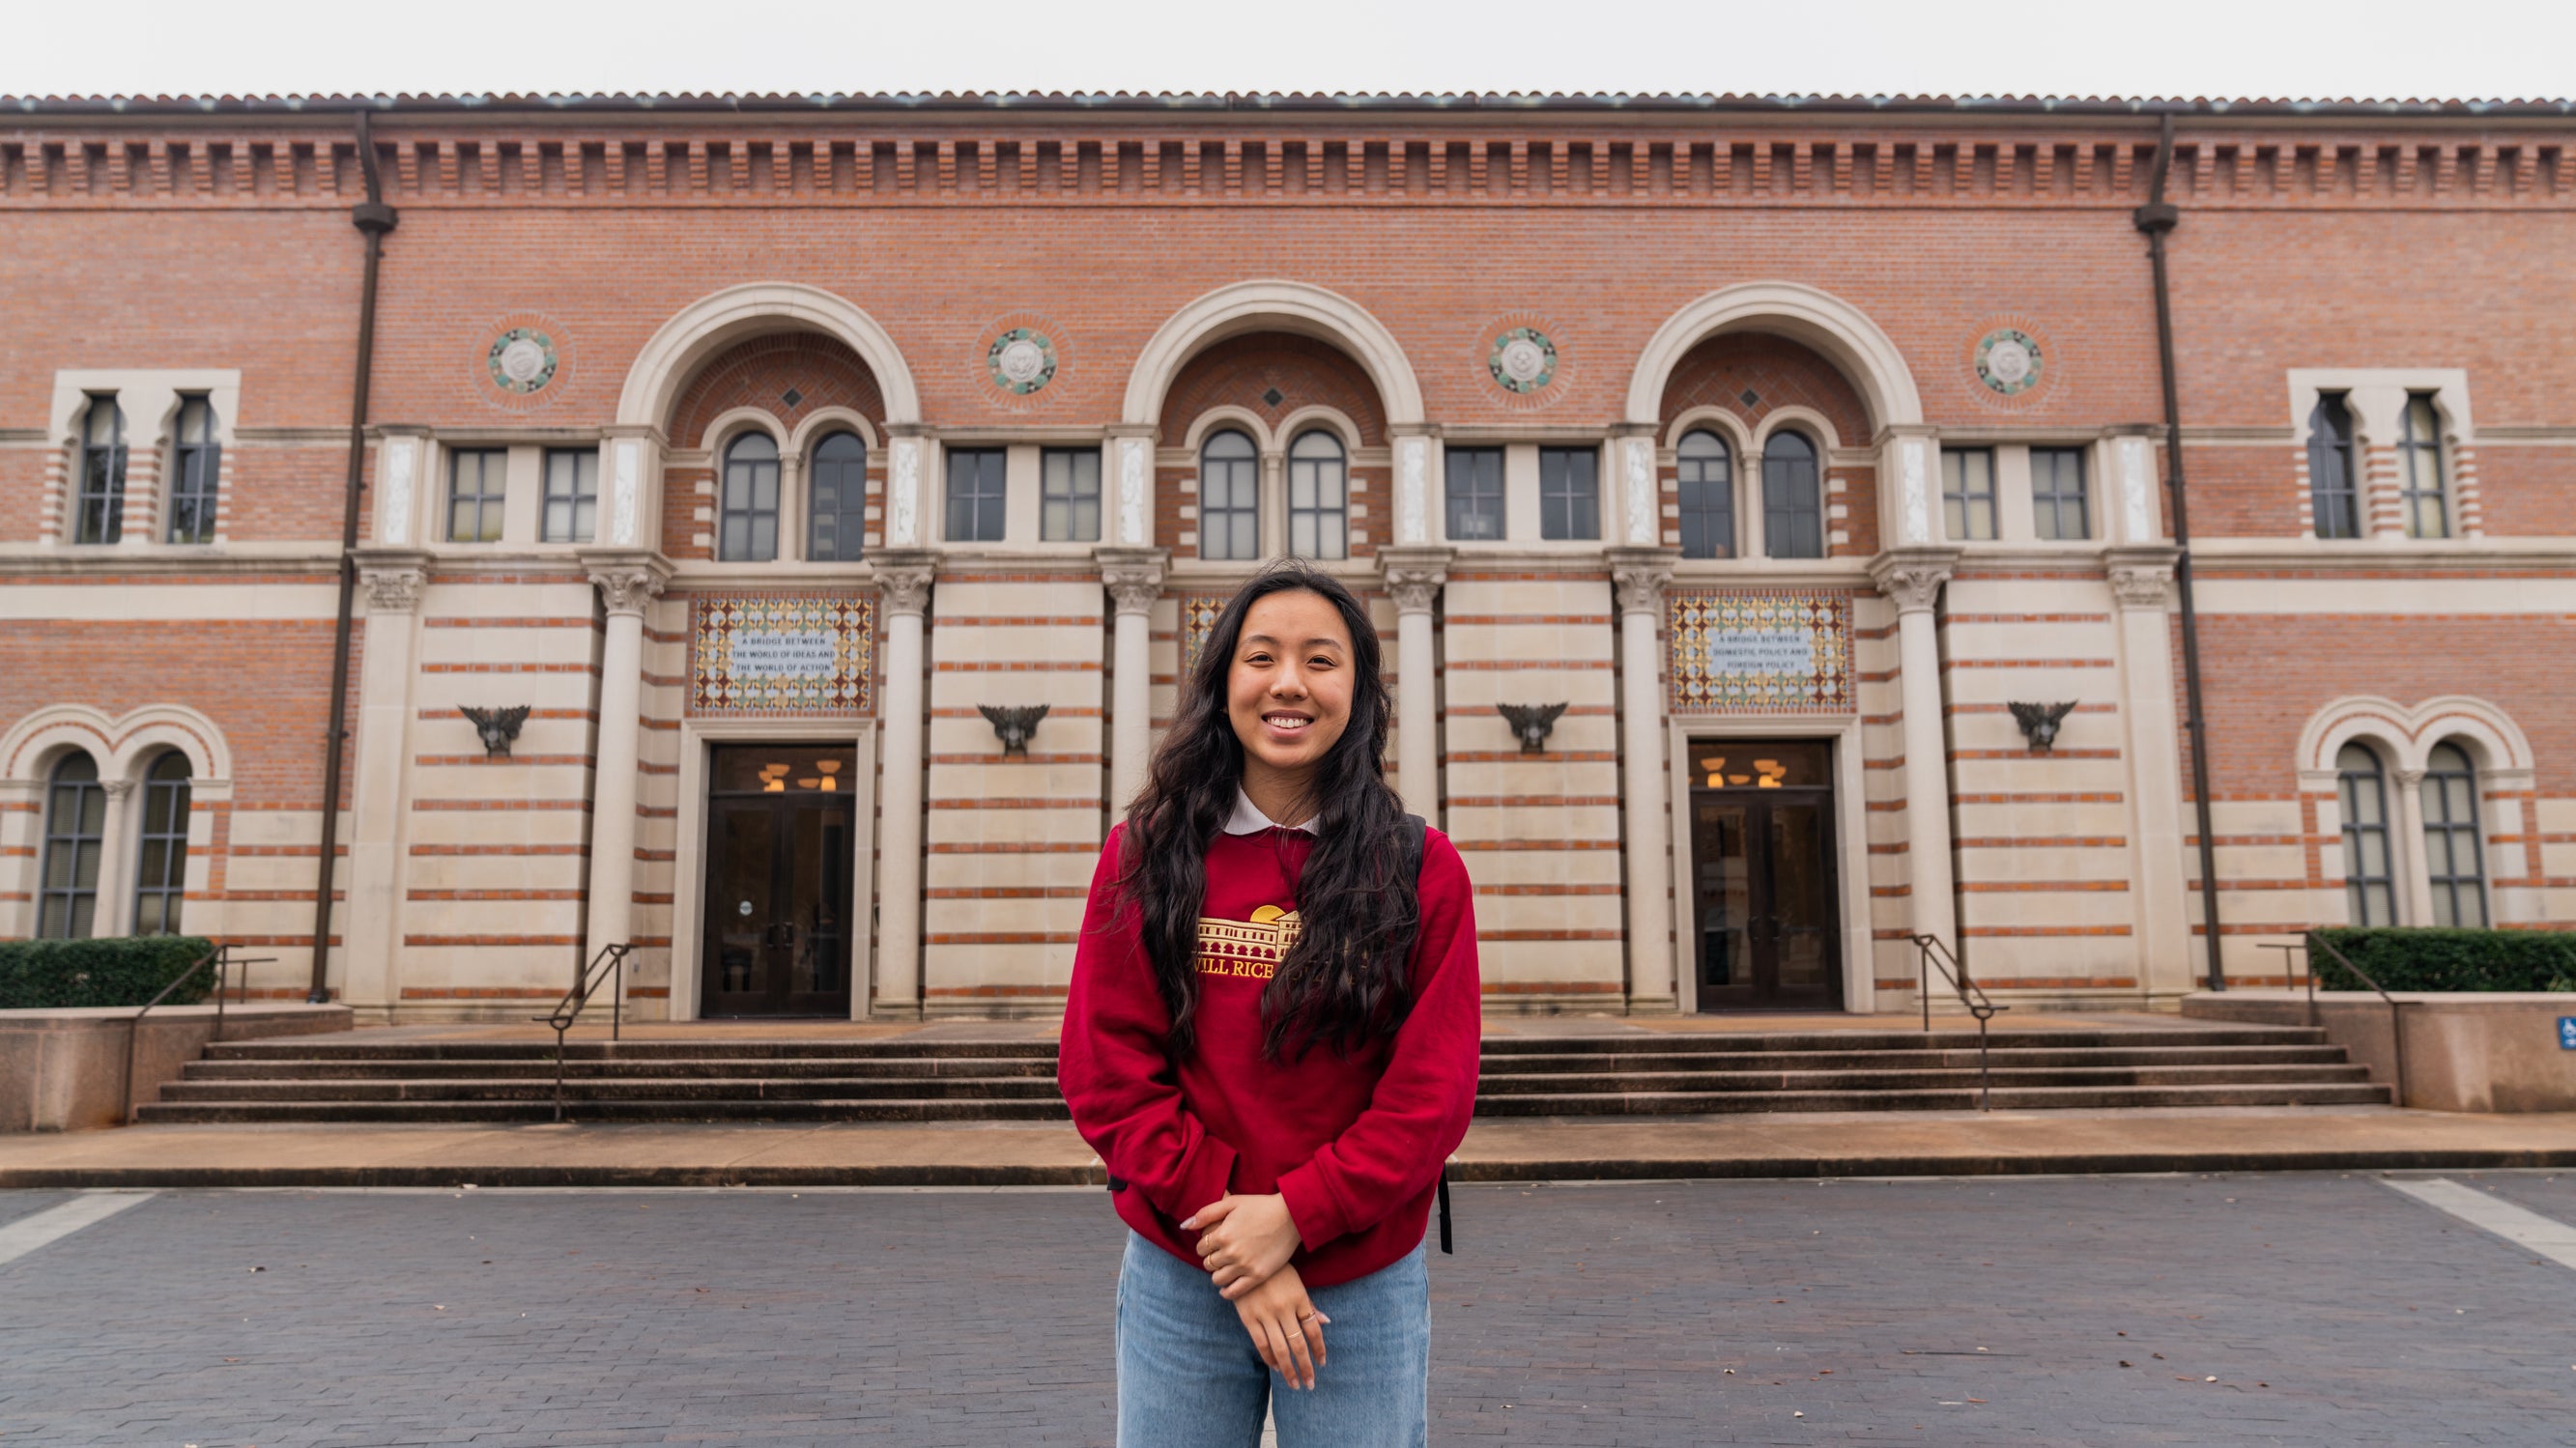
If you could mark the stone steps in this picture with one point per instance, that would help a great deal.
(901, 1079)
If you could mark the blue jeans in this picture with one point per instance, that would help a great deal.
(1188, 1376)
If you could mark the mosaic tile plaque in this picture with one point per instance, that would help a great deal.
(1198, 619)
(758, 656)
(1760, 651)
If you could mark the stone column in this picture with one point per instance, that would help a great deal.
(117, 831)
(1639, 575)
(627, 581)
(1912, 580)
(2413, 862)
(1134, 578)
(2141, 584)
(1413, 579)
(903, 591)
(370, 915)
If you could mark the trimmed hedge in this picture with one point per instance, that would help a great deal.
(2450, 960)
(115, 971)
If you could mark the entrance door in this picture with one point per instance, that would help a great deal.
(780, 823)
(1762, 857)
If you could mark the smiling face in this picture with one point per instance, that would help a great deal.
(1288, 693)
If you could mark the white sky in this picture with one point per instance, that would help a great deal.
(2356, 48)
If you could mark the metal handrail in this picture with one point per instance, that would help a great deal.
(610, 960)
(218, 956)
(1931, 954)
(2396, 1017)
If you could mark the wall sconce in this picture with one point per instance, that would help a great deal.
(499, 727)
(2039, 722)
(1532, 722)
(1013, 723)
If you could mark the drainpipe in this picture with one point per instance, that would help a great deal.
(2156, 218)
(373, 218)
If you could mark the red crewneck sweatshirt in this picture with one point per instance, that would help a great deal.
(1354, 1143)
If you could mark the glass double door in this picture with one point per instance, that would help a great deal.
(1762, 864)
(781, 827)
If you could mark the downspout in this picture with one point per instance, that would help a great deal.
(373, 218)
(2156, 218)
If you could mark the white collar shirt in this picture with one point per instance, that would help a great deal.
(1249, 820)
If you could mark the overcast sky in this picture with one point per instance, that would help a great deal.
(2356, 48)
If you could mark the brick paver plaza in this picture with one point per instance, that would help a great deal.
(2313, 1309)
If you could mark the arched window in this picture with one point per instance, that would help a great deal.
(161, 870)
(1318, 497)
(1708, 496)
(2420, 444)
(196, 465)
(98, 508)
(75, 829)
(837, 498)
(2333, 491)
(747, 521)
(2453, 862)
(2370, 889)
(1229, 497)
(1793, 513)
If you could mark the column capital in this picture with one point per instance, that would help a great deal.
(903, 580)
(1639, 576)
(1912, 577)
(1133, 576)
(393, 577)
(2412, 779)
(2140, 578)
(118, 789)
(627, 578)
(1414, 576)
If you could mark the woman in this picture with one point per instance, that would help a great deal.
(1271, 1041)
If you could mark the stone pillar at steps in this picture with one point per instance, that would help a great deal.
(903, 588)
(369, 915)
(1912, 579)
(1639, 575)
(628, 581)
(1134, 578)
(1413, 580)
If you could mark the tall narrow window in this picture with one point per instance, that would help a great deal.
(1475, 476)
(1968, 493)
(2453, 861)
(477, 479)
(75, 828)
(1069, 495)
(1569, 493)
(572, 496)
(1708, 496)
(836, 495)
(2060, 507)
(977, 489)
(98, 505)
(2333, 492)
(196, 468)
(1793, 513)
(2370, 893)
(161, 871)
(1229, 497)
(1318, 497)
(2428, 513)
(747, 515)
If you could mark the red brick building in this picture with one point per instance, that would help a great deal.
(755, 446)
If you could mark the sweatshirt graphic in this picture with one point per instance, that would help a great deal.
(1354, 1143)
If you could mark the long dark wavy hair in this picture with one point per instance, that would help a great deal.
(1344, 982)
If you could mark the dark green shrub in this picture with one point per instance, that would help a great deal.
(117, 971)
(2450, 960)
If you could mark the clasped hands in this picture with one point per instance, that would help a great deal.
(1245, 1243)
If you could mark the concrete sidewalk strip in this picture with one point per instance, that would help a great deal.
(51, 1225)
(1797, 1144)
(2526, 1229)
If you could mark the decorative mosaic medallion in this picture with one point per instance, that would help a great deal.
(769, 656)
(1523, 360)
(522, 360)
(1760, 651)
(1021, 361)
(2008, 361)
(525, 364)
